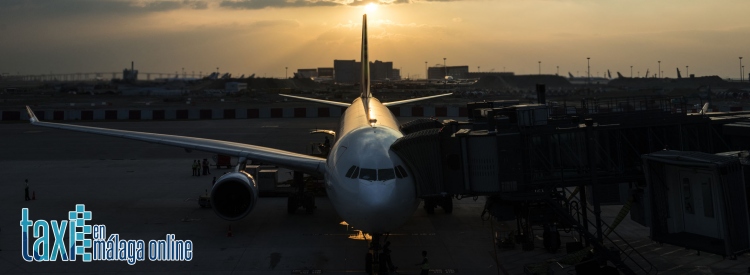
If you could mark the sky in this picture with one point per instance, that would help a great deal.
(266, 36)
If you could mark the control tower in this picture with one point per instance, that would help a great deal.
(130, 75)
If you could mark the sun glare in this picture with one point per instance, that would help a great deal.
(372, 7)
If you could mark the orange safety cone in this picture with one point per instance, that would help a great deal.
(229, 233)
(33, 195)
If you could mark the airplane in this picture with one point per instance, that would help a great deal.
(368, 185)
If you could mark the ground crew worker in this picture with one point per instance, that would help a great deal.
(195, 168)
(27, 190)
(425, 264)
(205, 167)
(327, 145)
(387, 256)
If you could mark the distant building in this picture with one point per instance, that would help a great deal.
(395, 74)
(380, 70)
(235, 87)
(457, 72)
(307, 73)
(349, 71)
(346, 71)
(325, 72)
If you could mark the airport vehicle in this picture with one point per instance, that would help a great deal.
(368, 185)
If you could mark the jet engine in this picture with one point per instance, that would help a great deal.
(234, 195)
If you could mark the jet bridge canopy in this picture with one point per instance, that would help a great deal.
(464, 162)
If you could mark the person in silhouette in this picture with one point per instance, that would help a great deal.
(205, 167)
(425, 264)
(387, 256)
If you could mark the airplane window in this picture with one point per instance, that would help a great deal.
(368, 174)
(385, 174)
(356, 172)
(402, 170)
(398, 174)
(350, 172)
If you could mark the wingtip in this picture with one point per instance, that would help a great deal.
(32, 116)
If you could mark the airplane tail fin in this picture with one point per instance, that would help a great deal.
(32, 116)
(365, 94)
(365, 88)
(704, 110)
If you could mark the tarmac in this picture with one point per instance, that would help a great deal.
(145, 191)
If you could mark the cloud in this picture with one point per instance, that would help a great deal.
(74, 8)
(158, 6)
(262, 4)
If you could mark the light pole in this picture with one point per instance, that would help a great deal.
(631, 71)
(558, 70)
(687, 71)
(540, 67)
(286, 72)
(659, 71)
(588, 69)
(741, 76)
(445, 78)
(426, 75)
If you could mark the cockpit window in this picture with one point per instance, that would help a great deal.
(350, 172)
(386, 174)
(401, 172)
(368, 174)
(356, 173)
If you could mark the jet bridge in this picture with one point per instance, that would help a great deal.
(462, 162)
(545, 165)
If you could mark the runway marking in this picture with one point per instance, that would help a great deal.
(270, 126)
(307, 271)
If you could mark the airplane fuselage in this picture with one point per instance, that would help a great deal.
(368, 185)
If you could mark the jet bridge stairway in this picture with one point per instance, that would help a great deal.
(625, 257)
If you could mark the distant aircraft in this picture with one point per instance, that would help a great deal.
(585, 80)
(368, 185)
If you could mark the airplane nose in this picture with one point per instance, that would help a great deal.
(383, 206)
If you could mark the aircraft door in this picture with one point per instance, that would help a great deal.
(698, 202)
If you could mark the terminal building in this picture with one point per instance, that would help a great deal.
(349, 71)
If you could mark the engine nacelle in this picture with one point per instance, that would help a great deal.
(234, 195)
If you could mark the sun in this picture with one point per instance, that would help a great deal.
(371, 7)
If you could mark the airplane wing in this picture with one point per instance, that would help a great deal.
(294, 161)
(394, 103)
(334, 103)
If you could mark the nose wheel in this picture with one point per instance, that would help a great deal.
(378, 258)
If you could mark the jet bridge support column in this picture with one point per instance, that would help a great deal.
(590, 150)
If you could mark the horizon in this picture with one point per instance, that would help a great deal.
(266, 36)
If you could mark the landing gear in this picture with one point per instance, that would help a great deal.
(444, 202)
(300, 198)
(377, 262)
